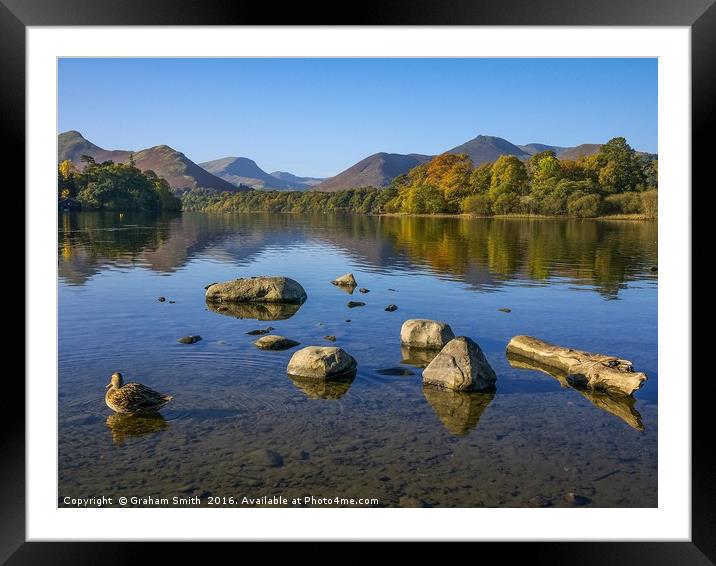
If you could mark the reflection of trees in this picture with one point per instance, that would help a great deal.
(485, 253)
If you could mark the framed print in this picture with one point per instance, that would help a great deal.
(409, 277)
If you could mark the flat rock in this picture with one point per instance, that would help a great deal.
(363, 290)
(262, 289)
(354, 304)
(275, 342)
(321, 362)
(330, 338)
(462, 366)
(346, 280)
(505, 310)
(422, 333)
(189, 339)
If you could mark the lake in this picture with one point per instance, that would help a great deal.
(239, 427)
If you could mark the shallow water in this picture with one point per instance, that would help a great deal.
(584, 284)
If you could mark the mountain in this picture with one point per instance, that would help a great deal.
(535, 148)
(71, 145)
(291, 178)
(180, 172)
(376, 170)
(242, 170)
(485, 149)
(585, 149)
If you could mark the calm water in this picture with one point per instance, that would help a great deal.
(583, 284)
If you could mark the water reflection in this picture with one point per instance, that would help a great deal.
(484, 253)
(257, 311)
(620, 406)
(323, 388)
(459, 411)
(417, 357)
(125, 426)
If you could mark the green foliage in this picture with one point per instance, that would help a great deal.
(623, 203)
(115, 186)
(650, 203)
(617, 180)
(584, 206)
(478, 204)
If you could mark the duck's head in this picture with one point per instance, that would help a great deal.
(116, 381)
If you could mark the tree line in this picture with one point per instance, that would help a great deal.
(615, 180)
(114, 186)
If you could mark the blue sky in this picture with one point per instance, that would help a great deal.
(319, 116)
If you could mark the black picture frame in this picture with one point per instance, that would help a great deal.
(699, 15)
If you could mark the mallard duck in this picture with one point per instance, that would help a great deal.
(133, 398)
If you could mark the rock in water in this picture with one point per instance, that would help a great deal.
(420, 333)
(391, 308)
(161, 299)
(274, 342)
(330, 338)
(260, 331)
(189, 339)
(257, 290)
(461, 365)
(505, 310)
(346, 280)
(354, 304)
(364, 290)
(321, 362)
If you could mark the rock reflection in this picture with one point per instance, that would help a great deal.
(125, 426)
(417, 357)
(324, 388)
(459, 411)
(620, 406)
(256, 311)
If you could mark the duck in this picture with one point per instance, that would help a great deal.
(133, 398)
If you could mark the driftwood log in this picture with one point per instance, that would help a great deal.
(583, 369)
(621, 406)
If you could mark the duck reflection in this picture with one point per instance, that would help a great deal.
(459, 411)
(621, 406)
(333, 388)
(417, 357)
(125, 426)
(256, 311)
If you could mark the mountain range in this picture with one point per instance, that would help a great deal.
(180, 172)
(241, 173)
(244, 171)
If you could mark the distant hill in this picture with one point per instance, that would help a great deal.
(485, 149)
(180, 172)
(291, 178)
(583, 150)
(535, 148)
(242, 170)
(376, 170)
(72, 145)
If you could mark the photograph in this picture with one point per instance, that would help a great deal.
(357, 282)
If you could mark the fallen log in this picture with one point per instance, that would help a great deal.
(583, 369)
(621, 406)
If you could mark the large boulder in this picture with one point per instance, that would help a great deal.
(461, 365)
(421, 333)
(257, 290)
(321, 362)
